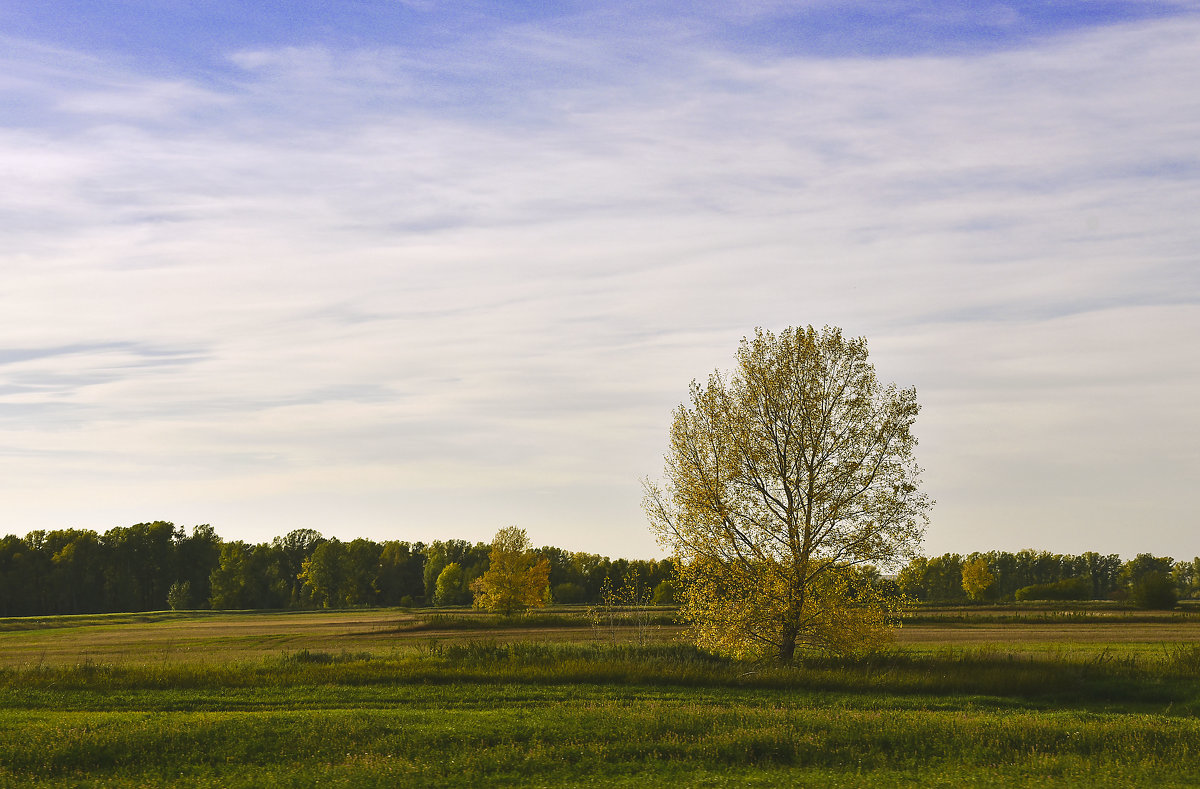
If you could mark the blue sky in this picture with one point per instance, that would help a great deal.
(418, 270)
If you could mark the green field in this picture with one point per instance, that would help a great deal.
(396, 698)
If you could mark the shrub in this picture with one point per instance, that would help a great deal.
(1155, 590)
(567, 593)
(1067, 589)
(323, 658)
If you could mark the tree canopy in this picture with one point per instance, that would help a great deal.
(77, 571)
(782, 478)
(516, 579)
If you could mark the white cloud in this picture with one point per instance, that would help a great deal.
(438, 317)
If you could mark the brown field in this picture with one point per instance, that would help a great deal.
(229, 636)
(206, 637)
(1054, 632)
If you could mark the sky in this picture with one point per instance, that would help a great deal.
(421, 270)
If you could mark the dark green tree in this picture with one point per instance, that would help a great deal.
(77, 571)
(197, 556)
(294, 548)
(323, 574)
(228, 582)
(401, 579)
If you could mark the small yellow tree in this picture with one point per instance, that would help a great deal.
(977, 578)
(516, 579)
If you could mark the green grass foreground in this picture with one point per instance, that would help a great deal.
(540, 714)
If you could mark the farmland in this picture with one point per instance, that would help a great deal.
(1090, 697)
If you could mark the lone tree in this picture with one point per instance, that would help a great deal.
(515, 579)
(782, 479)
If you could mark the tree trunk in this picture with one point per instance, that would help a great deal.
(787, 645)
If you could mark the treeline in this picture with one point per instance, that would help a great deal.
(155, 566)
(999, 576)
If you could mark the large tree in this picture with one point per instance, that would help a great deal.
(781, 479)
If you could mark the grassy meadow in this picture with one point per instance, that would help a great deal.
(983, 697)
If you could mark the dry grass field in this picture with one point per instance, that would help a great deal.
(224, 636)
(1023, 636)
(202, 637)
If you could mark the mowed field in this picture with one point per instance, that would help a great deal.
(983, 697)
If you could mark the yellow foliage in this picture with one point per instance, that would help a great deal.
(977, 578)
(515, 579)
(782, 478)
(743, 611)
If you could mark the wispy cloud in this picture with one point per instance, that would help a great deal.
(420, 293)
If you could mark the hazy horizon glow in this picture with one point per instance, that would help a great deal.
(414, 270)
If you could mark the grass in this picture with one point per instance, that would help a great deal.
(458, 735)
(565, 617)
(1090, 612)
(364, 703)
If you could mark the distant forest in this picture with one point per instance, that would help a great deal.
(155, 566)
